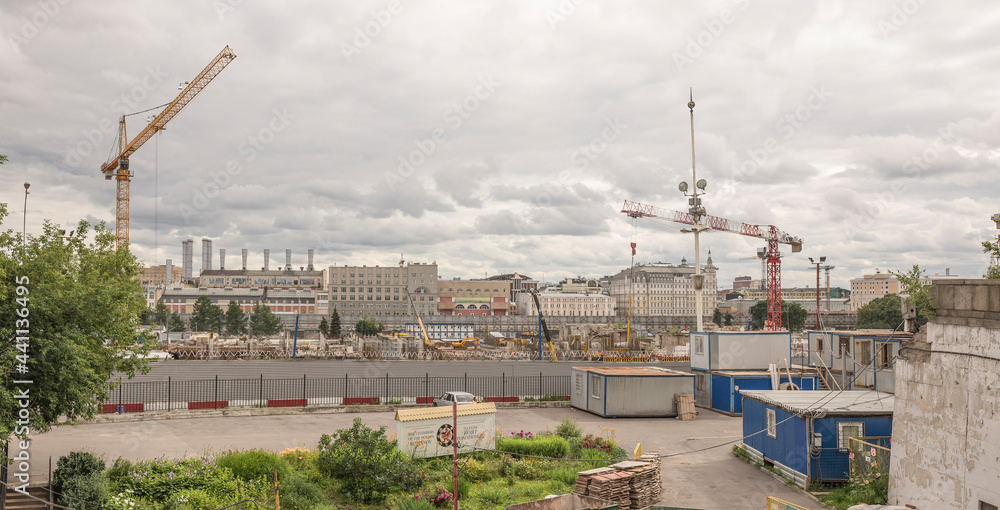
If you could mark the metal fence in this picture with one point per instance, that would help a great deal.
(219, 393)
(466, 355)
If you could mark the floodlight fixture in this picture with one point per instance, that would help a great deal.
(683, 186)
(701, 184)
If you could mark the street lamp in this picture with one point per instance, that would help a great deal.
(295, 338)
(811, 261)
(24, 225)
(697, 211)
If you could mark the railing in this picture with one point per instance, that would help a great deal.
(774, 503)
(457, 355)
(171, 395)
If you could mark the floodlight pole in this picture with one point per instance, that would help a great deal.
(696, 209)
(24, 225)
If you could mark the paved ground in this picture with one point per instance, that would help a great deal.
(710, 479)
(237, 369)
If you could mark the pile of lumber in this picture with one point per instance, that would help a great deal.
(614, 487)
(583, 479)
(644, 486)
(685, 407)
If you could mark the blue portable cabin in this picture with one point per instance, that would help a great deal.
(805, 434)
(727, 386)
(869, 356)
(725, 360)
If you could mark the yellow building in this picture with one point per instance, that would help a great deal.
(870, 287)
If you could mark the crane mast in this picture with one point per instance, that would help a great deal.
(773, 235)
(118, 166)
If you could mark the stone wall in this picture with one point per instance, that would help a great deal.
(946, 426)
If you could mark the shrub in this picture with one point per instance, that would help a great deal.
(414, 504)
(493, 495)
(369, 466)
(568, 428)
(78, 463)
(85, 492)
(202, 483)
(298, 493)
(253, 465)
(565, 475)
(549, 446)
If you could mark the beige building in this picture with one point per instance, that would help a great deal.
(474, 297)
(578, 286)
(157, 275)
(272, 279)
(663, 290)
(293, 302)
(564, 304)
(870, 287)
(380, 291)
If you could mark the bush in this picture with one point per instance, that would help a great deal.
(253, 465)
(545, 446)
(369, 466)
(565, 475)
(414, 504)
(497, 496)
(200, 483)
(78, 463)
(85, 492)
(568, 428)
(298, 493)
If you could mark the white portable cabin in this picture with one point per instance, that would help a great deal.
(715, 351)
(629, 391)
(866, 359)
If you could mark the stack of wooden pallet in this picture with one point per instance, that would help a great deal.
(685, 407)
(614, 487)
(583, 479)
(644, 487)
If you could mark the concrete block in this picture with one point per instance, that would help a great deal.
(963, 298)
(994, 299)
(980, 298)
(944, 298)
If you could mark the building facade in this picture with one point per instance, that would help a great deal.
(870, 287)
(381, 291)
(272, 279)
(564, 304)
(474, 297)
(291, 302)
(663, 290)
(157, 275)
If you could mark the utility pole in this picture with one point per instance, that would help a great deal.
(696, 211)
(811, 261)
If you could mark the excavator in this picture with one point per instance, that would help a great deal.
(545, 327)
(427, 341)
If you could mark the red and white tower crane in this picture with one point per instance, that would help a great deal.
(773, 235)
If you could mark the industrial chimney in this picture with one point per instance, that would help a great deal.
(310, 266)
(168, 278)
(187, 259)
(288, 259)
(206, 254)
(222, 258)
(244, 259)
(267, 258)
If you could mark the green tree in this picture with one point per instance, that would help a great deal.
(917, 293)
(793, 316)
(263, 322)
(207, 316)
(324, 327)
(368, 326)
(236, 321)
(79, 301)
(161, 314)
(885, 312)
(728, 319)
(992, 272)
(717, 317)
(176, 323)
(334, 327)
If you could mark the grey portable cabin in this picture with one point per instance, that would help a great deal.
(865, 359)
(615, 392)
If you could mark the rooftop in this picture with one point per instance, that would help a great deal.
(828, 402)
(635, 371)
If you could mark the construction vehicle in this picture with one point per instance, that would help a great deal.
(427, 341)
(118, 166)
(545, 327)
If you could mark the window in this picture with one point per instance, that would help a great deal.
(699, 382)
(986, 506)
(845, 346)
(864, 350)
(819, 343)
(595, 383)
(578, 382)
(846, 430)
(699, 345)
(882, 359)
(772, 424)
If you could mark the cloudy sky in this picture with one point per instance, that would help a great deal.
(499, 136)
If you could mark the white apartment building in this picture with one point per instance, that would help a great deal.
(563, 304)
(662, 289)
(380, 291)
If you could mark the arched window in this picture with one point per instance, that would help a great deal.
(484, 307)
(459, 307)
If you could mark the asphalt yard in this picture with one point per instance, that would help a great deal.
(695, 475)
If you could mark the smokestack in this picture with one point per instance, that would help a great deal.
(310, 266)
(288, 259)
(170, 272)
(222, 258)
(244, 259)
(206, 254)
(188, 258)
(267, 258)
(947, 271)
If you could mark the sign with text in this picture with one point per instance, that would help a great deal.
(430, 432)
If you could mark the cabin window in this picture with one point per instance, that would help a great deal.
(882, 359)
(595, 383)
(863, 348)
(986, 506)
(699, 345)
(579, 384)
(819, 344)
(845, 346)
(772, 424)
(700, 382)
(847, 430)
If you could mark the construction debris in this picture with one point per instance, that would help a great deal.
(685, 407)
(630, 484)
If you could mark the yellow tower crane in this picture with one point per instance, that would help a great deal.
(118, 166)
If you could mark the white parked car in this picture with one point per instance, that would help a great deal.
(450, 397)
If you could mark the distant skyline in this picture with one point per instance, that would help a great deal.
(499, 136)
